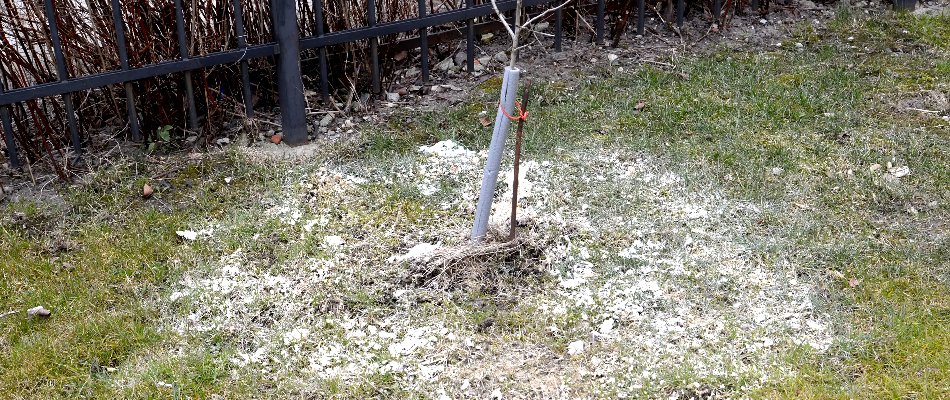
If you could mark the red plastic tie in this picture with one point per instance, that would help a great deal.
(522, 114)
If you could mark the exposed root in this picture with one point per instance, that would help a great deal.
(486, 267)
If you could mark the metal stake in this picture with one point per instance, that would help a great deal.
(514, 185)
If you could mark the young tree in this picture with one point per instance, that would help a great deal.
(506, 107)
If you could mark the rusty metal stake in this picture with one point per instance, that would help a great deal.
(514, 186)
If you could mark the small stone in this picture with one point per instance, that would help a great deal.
(445, 65)
(392, 97)
(612, 57)
(501, 57)
(486, 38)
(39, 312)
(899, 172)
(799, 45)
(875, 167)
(326, 120)
(484, 61)
(402, 55)
(461, 57)
(147, 191)
(435, 89)
(402, 91)
(276, 139)
(777, 171)
(541, 27)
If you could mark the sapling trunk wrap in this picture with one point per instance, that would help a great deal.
(509, 92)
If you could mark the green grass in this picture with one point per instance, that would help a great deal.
(98, 260)
(824, 115)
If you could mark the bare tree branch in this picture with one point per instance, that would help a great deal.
(545, 13)
(501, 17)
(515, 32)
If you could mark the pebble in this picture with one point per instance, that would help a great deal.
(460, 58)
(501, 57)
(445, 64)
(38, 311)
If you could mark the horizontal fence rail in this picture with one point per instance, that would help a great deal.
(288, 41)
(251, 52)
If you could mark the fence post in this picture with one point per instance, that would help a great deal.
(7, 127)
(289, 81)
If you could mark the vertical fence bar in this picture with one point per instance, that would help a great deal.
(753, 6)
(7, 127)
(8, 136)
(373, 47)
(183, 49)
(680, 13)
(558, 28)
(424, 43)
(641, 17)
(717, 10)
(63, 75)
(601, 11)
(245, 73)
(293, 106)
(319, 28)
(124, 60)
(470, 45)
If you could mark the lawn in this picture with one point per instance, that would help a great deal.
(772, 224)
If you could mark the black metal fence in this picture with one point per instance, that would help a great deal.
(286, 47)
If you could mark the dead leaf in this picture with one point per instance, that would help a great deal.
(401, 55)
(484, 121)
(836, 274)
(276, 139)
(147, 191)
